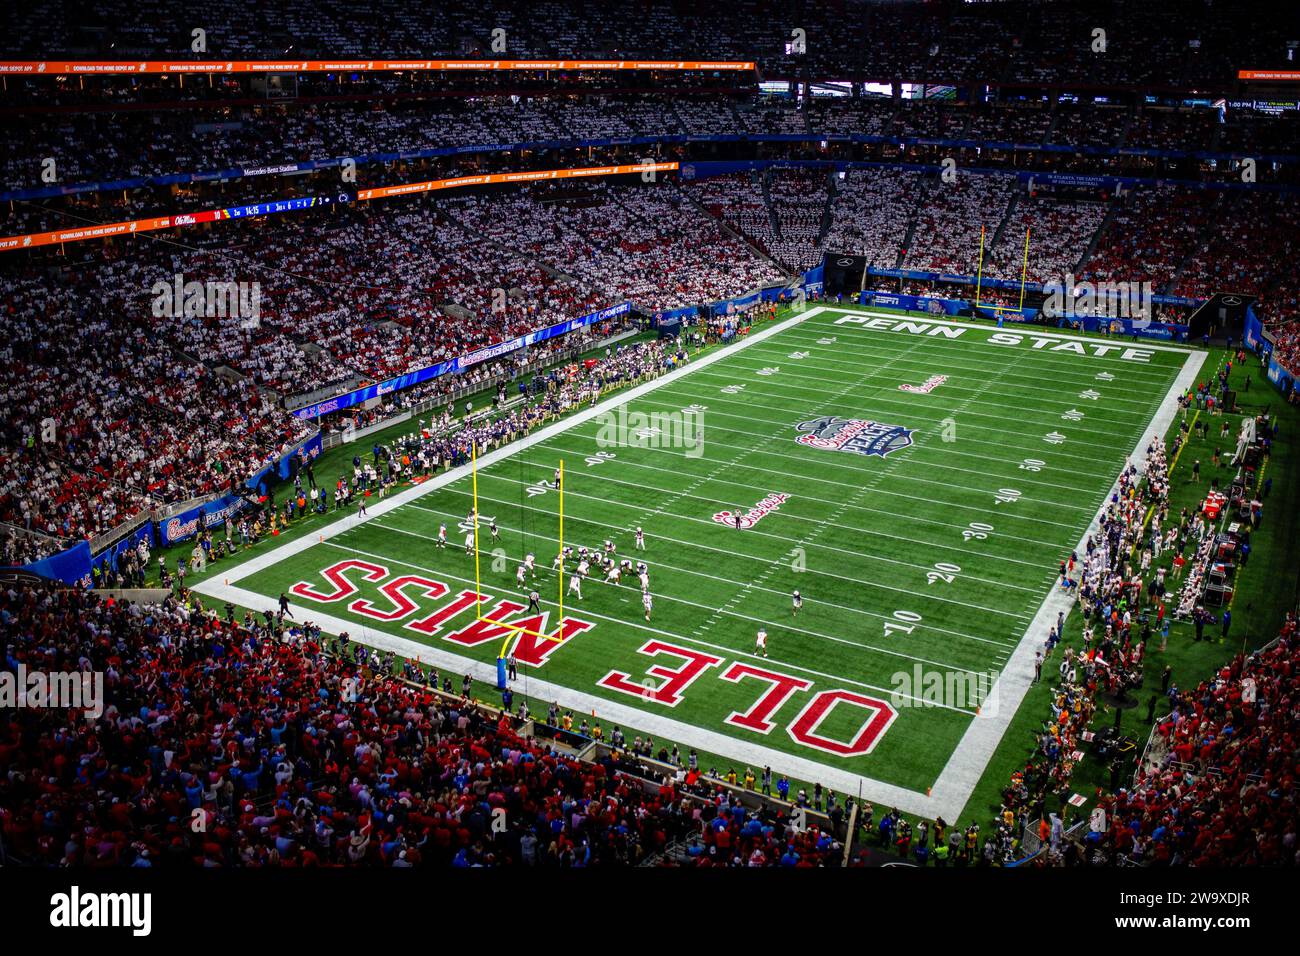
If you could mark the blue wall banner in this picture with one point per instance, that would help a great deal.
(1280, 376)
(939, 306)
(305, 451)
(365, 394)
(114, 551)
(1254, 330)
(913, 303)
(70, 567)
(186, 524)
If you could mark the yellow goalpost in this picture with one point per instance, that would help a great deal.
(979, 279)
(514, 630)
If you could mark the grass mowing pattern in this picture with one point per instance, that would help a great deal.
(870, 529)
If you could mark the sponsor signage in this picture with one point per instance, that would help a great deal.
(142, 67)
(854, 435)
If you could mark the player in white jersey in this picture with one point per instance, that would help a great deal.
(557, 479)
(583, 567)
(797, 601)
(640, 539)
(469, 542)
(643, 575)
(612, 573)
(519, 576)
(575, 585)
(442, 535)
(530, 562)
(647, 602)
(760, 643)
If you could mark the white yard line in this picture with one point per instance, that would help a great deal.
(1017, 395)
(848, 347)
(744, 752)
(908, 402)
(786, 515)
(750, 486)
(972, 755)
(960, 775)
(586, 611)
(276, 555)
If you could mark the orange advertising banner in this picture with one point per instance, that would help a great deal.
(406, 189)
(1285, 75)
(154, 223)
(140, 67)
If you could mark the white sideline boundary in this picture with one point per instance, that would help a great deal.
(392, 502)
(966, 764)
(972, 754)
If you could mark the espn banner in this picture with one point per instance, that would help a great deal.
(141, 67)
(153, 223)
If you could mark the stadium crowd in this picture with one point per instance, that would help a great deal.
(1224, 792)
(225, 743)
(1183, 44)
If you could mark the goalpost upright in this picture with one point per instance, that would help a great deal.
(979, 279)
(514, 630)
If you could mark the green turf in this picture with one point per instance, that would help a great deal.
(858, 535)
(1266, 589)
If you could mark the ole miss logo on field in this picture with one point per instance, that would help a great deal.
(832, 433)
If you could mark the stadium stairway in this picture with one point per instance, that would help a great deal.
(831, 192)
(773, 221)
(1007, 213)
(918, 201)
(1051, 127)
(1127, 131)
(727, 227)
(1096, 237)
(1224, 208)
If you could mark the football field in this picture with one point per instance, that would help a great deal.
(918, 481)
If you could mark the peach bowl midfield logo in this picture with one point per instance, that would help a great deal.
(861, 437)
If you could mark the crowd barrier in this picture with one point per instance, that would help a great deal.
(380, 389)
(937, 305)
(1262, 342)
